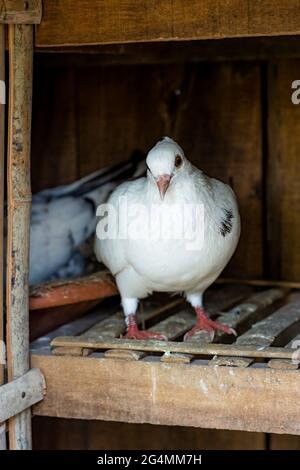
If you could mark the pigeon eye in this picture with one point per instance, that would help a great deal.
(178, 161)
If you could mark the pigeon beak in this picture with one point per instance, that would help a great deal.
(163, 182)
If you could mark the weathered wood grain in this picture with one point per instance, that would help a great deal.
(54, 124)
(114, 21)
(265, 332)
(2, 179)
(244, 313)
(285, 363)
(124, 354)
(71, 434)
(18, 209)
(114, 326)
(20, 394)
(20, 12)
(71, 291)
(257, 399)
(282, 171)
(173, 346)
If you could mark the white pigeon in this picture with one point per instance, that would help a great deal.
(144, 262)
(62, 219)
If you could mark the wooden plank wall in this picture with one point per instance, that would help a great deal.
(115, 21)
(70, 434)
(59, 433)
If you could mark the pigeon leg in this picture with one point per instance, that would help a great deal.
(206, 324)
(133, 331)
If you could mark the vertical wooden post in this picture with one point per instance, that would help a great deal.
(2, 130)
(19, 203)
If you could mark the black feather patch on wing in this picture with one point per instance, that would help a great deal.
(226, 224)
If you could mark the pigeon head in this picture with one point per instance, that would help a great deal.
(165, 161)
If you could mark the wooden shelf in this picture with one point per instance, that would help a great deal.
(94, 22)
(149, 391)
(90, 374)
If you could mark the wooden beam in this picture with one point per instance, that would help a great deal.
(113, 21)
(20, 12)
(153, 346)
(258, 48)
(22, 393)
(18, 209)
(2, 169)
(252, 399)
(72, 291)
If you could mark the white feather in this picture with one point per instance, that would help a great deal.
(144, 265)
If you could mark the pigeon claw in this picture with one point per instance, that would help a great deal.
(133, 332)
(209, 326)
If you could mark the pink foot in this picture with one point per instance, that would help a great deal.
(206, 324)
(133, 332)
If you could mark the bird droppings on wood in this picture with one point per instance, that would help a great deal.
(203, 386)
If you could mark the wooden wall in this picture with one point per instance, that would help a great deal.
(66, 434)
(234, 119)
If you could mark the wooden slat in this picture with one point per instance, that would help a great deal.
(72, 291)
(2, 170)
(285, 363)
(20, 394)
(265, 332)
(176, 358)
(172, 327)
(175, 325)
(112, 21)
(231, 361)
(124, 354)
(244, 312)
(114, 326)
(225, 297)
(20, 12)
(73, 328)
(173, 346)
(257, 399)
(179, 323)
(19, 201)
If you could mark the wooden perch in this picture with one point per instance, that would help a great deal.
(53, 294)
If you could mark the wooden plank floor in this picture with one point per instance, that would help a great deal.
(144, 382)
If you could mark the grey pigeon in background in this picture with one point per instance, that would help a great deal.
(63, 218)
